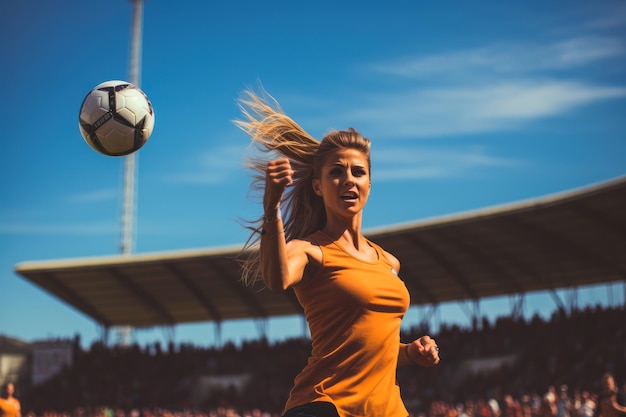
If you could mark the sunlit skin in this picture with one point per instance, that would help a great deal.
(344, 185)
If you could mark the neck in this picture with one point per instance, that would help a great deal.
(346, 230)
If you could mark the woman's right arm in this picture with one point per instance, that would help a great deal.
(616, 406)
(282, 263)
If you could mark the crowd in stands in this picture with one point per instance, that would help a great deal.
(530, 362)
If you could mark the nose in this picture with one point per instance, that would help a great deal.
(349, 178)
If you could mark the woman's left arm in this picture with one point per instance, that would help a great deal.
(423, 352)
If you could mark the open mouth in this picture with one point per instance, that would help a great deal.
(349, 196)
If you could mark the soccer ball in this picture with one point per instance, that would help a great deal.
(116, 118)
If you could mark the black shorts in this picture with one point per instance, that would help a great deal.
(314, 409)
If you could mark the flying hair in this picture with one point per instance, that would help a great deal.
(276, 134)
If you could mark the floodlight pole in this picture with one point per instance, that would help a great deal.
(128, 205)
(124, 333)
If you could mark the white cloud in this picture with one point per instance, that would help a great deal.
(59, 229)
(581, 51)
(433, 112)
(507, 58)
(95, 196)
(402, 163)
(532, 100)
(498, 87)
(616, 19)
(196, 177)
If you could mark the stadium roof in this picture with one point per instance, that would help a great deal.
(12, 346)
(566, 240)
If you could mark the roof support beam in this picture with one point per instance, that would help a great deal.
(195, 291)
(170, 335)
(218, 333)
(491, 265)
(450, 268)
(557, 299)
(56, 287)
(554, 242)
(431, 313)
(516, 302)
(104, 335)
(512, 259)
(256, 309)
(261, 326)
(473, 312)
(142, 296)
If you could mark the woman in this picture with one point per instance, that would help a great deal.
(607, 400)
(9, 404)
(347, 285)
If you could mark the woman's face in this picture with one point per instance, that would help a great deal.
(609, 384)
(344, 182)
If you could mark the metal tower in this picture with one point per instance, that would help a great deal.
(128, 233)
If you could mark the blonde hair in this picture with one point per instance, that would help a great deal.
(274, 132)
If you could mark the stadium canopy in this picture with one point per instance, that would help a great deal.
(566, 240)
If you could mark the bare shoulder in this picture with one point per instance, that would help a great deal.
(306, 246)
(305, 257)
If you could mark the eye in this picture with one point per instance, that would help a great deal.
(336, 171)
(359, 172)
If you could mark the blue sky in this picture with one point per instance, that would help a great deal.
(468, 105)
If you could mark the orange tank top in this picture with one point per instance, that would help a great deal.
(354, 309)
(9, 407)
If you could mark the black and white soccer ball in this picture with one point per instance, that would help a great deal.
(116, 118)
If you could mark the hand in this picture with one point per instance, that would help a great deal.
(278, 176)
(423, 351)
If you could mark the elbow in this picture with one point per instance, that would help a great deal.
(276, 280)
(274, 286)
